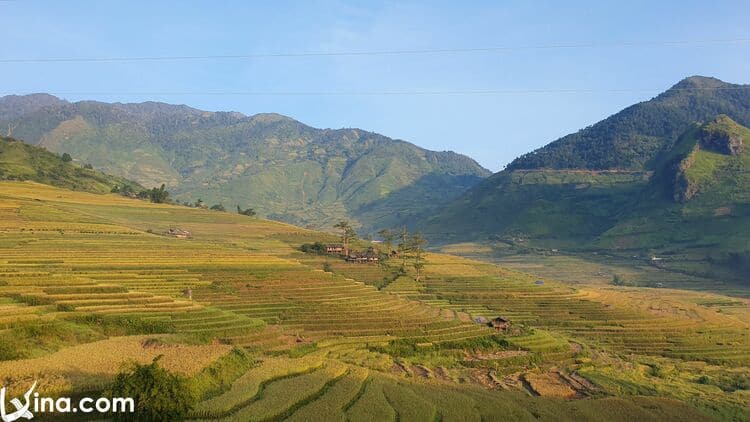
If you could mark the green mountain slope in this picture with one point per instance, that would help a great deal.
(279, 166)
(698, 204)
(689, 198)
(632, 138)
(20, 161)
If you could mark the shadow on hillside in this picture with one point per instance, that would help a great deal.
(414, 203)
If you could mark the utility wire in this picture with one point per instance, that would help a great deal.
(392, 93)
(373, 52)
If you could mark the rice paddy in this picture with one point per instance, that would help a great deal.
(88, 282)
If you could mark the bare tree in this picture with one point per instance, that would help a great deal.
(417, 243)
(347, 234)
(388, 237)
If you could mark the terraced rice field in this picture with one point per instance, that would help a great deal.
(82, 273)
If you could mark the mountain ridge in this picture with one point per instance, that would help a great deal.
(284, 168)
(631, 138)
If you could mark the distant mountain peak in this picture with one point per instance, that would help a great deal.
(271, 118)
(700, 82)
(632, 138)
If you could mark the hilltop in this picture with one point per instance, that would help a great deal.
(20, 161)
(284, 169)
(667, 176)
(632, 138)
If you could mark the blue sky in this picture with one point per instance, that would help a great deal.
(491, 128)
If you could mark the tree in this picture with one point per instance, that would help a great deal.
(158, 196)
(347, 234)
(411, 249)
(417, 242)
(159, 395)
(388, 237)
(66, 157)
(403, 246)
(218, 207)
(250, 212)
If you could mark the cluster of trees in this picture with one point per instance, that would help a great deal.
(317, 248)
(158, 195)
(399, 244)
(409, 248)
(66, 158)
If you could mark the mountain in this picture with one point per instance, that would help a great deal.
(632, 138)
(284, 169)
(697, 204)
(666, 176)
(20, 161)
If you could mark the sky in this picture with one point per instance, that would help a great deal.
(599, 57)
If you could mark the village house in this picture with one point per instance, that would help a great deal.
(336, 248)
(500, 323)
(371, 255)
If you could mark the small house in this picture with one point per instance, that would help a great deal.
(371, 255)
(500, 323)
(335, 248)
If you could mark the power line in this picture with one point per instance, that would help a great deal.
(372, 52)
(391, 93)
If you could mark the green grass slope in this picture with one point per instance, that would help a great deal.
(697, 209)
(284, 169)
(20, 161)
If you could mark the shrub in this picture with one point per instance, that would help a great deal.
(9, 351)
(66, 158)
(316, 248)
(219, 376)
(248, 211)
(65, 307)
(218, 207)
(159, 395)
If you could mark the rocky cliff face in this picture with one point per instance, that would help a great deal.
(685, 188)
(721, 141)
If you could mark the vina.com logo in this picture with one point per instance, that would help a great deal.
(37, 405)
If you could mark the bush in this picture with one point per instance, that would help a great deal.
(159, 395)
(157, 196)
(219, 376)
(316, 248)
(218, 207)
(248, 211)
(9, 351)
(65, 307)
(66, 158)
